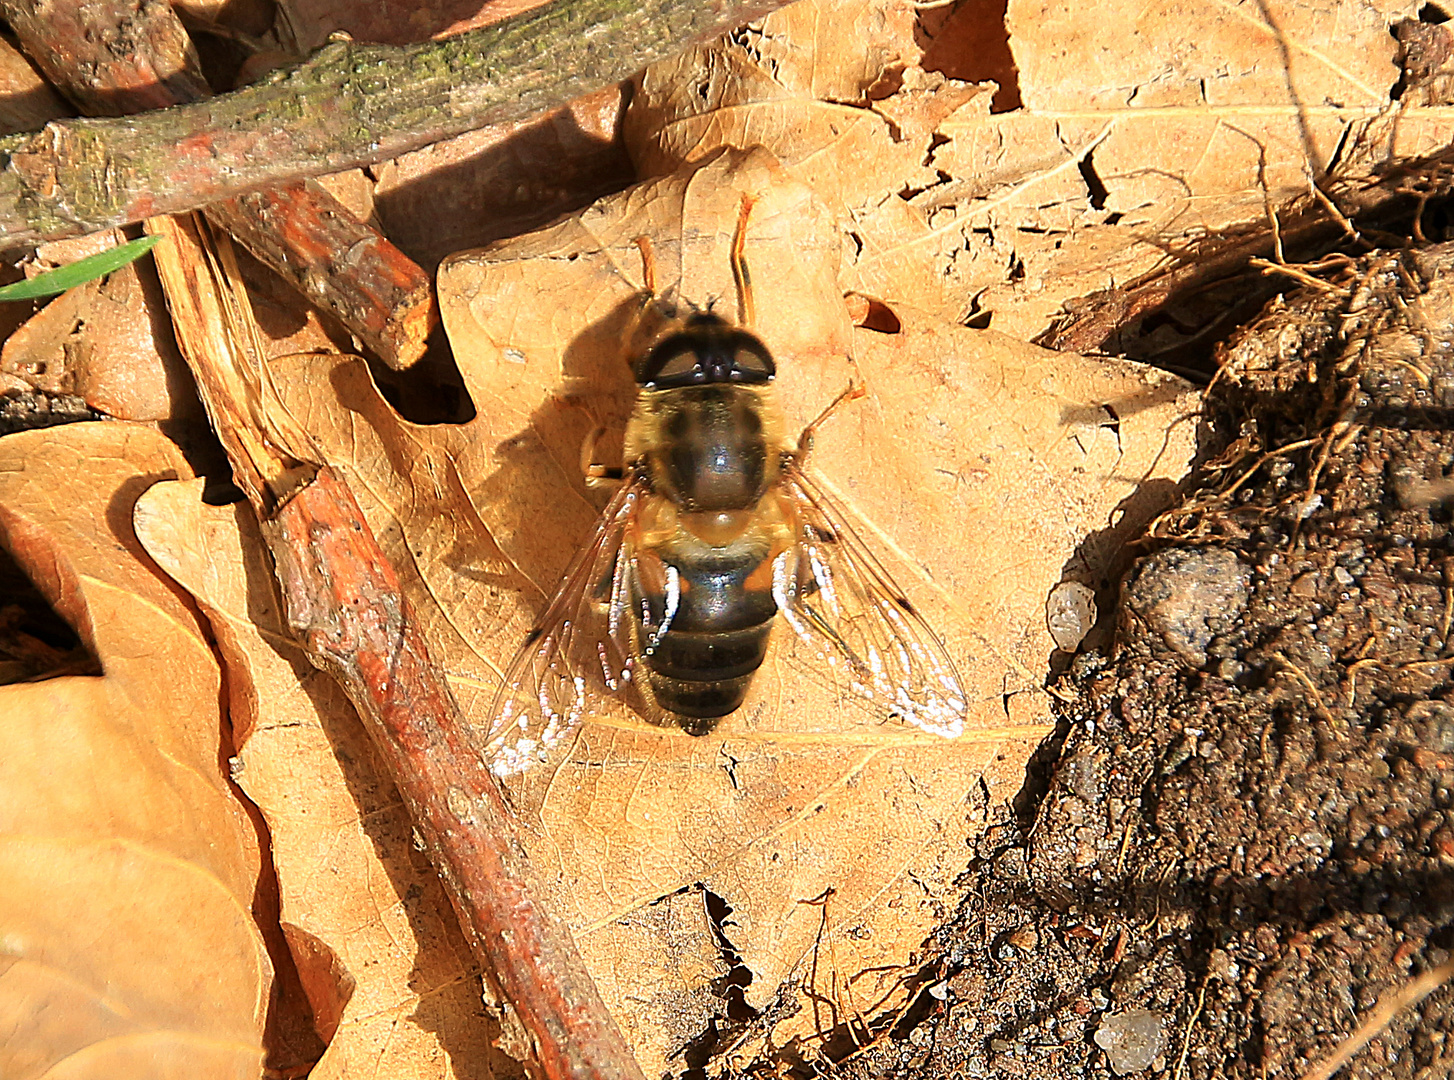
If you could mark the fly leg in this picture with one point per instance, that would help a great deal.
(805, 440)
(597, 476)
(817, 526)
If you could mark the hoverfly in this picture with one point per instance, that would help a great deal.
(715, 531)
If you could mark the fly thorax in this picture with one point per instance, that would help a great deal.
(710, 453)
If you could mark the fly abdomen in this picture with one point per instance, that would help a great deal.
(694, 685)
(717, 633)
(724, 654)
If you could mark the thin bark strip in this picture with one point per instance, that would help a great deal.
(217, 336)
(116, 57)
(350, 105)
(343, 600)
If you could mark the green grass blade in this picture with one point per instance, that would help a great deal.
(79, 272)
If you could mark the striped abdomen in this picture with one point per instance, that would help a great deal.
(717, 635)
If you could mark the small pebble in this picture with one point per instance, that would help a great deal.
(1132, 1040)
(1070, 612)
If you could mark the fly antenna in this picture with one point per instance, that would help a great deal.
(746, 310)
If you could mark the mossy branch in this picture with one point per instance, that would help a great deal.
(351, 104)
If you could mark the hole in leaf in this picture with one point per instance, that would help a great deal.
(977, 317)
(739, 976)
(697, 1053)
(970, 42)
(880, 318)
(1093, 185)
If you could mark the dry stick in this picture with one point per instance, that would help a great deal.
(343, 265)
(109, 57)
(350, 105)
(1389, 1006)
(343, 600)
(113, 58)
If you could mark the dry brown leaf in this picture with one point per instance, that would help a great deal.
(980, 463)
(26, 100)
(380, 954)
(36, 352)
(797, 82)
(639, 824)
(985, 470)
(108, 341)
(129, 866)
(773, 811)
(1143, 127)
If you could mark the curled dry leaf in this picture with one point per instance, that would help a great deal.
(381, 957)
(1143, 129)
(130, 868)
(978, 465)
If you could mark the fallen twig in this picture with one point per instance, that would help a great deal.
(351, 104)
(116, 58)
(343, 265)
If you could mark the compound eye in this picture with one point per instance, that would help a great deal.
(674, 362)
(752, 364)
(677, 367)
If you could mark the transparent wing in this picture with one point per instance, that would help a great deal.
(840, 600)
(582, 651)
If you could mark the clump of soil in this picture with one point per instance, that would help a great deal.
(1246, 836)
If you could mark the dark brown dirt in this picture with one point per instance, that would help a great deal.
(1245, 834)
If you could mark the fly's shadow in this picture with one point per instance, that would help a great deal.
(542, 507)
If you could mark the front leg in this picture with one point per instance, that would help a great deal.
(805, 440)
(597, 476)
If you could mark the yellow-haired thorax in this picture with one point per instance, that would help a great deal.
(709, 449)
